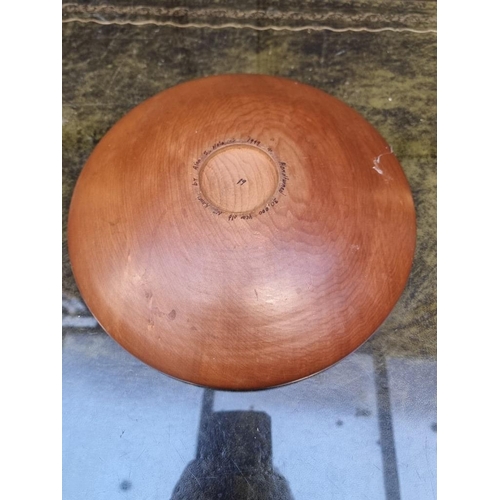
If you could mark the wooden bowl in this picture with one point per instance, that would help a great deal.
(241, 231)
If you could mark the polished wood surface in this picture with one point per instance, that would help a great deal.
(241, 231)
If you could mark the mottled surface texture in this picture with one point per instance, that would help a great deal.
(380, 58)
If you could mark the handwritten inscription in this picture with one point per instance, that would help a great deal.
(197, 164)
(273, 202)
(284, 177)
(282, 183)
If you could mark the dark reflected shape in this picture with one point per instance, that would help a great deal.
(234, 459)
(125, 485)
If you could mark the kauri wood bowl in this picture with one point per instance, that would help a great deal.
(241, 231)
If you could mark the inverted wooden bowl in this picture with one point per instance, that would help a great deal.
(241, 231)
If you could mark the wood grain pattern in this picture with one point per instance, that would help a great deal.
(241, 231)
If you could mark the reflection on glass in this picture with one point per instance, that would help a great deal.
(233, 459)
